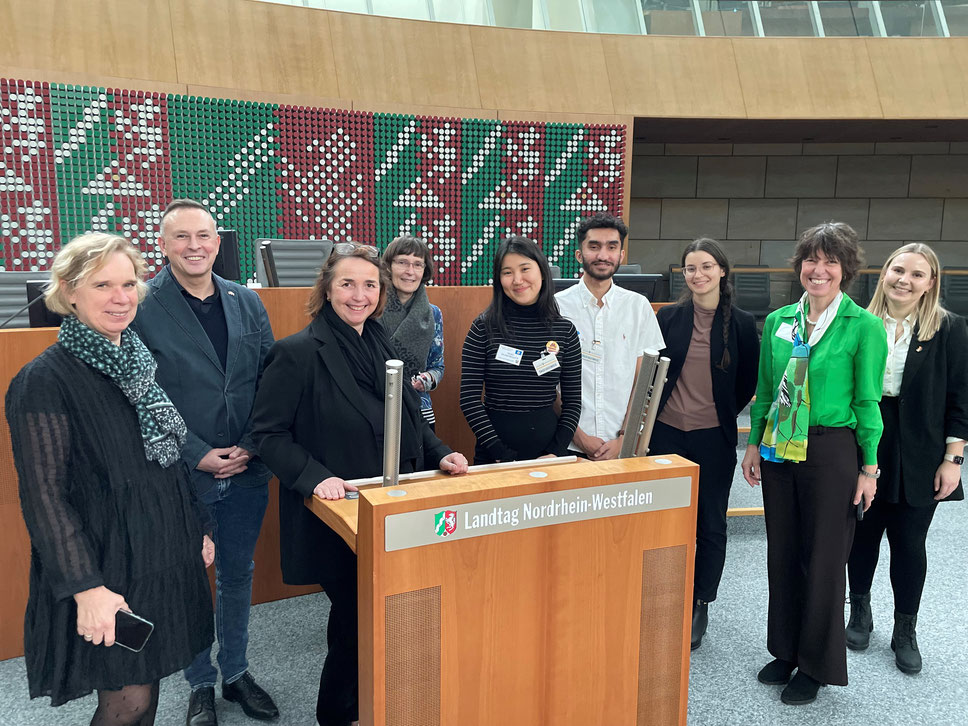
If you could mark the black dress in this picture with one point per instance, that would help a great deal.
(99, 513)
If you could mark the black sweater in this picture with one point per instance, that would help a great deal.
(518, 388)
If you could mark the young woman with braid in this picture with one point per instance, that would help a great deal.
(714, 350)
(518, 353)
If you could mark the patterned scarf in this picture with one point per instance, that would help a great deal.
(788, 421)
(131, 368)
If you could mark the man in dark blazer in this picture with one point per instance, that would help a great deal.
(210, 337)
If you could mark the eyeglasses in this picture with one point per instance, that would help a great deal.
(402, 264)
(348, 248)
(707, 268)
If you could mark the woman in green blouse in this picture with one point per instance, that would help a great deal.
(814, 420)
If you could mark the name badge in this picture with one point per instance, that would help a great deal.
(546, 363)
(507, 354)
(593, 354)
(784, 331)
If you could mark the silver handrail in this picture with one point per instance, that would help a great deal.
(417, 475)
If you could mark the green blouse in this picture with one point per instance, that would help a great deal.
(846, 374)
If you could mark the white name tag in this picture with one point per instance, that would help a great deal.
(784, 331)
(592, 354)
(546, 363)
(507, 354)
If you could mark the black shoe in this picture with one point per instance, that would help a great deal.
(861, 622)
(776, 672)
(201, 708)
(904, 643)
(255, 702)
(700, 621)
(801, 689)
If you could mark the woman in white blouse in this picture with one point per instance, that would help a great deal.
(925, 413)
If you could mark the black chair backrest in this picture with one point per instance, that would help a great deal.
(752, 291)
(954, 290)
(291, 262)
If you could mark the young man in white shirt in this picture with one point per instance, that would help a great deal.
(615, 327)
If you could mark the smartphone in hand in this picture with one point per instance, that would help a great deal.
(131, 631)
(860, 509)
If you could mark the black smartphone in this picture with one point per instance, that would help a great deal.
(131, 631)
(860, 508)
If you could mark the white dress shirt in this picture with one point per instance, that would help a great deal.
(897, 352)
(612, 338)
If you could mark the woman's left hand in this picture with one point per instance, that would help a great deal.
(867, 488)
(946, 479)
(454, 463)
(208, 551)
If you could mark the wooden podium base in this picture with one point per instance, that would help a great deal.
(542, 595)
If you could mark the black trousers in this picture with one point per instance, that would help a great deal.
(810, 520)
(338, 700)
(527, 432)
(907, 530)
(717, 459)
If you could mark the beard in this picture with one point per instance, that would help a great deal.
(598, 274)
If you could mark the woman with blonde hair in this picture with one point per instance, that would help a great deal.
(925, 412)
(113, 521)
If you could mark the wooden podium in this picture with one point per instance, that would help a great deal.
(537, 595)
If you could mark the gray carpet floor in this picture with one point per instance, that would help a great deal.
(287, 647)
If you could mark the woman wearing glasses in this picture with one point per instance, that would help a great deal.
(318, 421)
(517, 353)
(415, 327)
(815, 417)
(713, 349)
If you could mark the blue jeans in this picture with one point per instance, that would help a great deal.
(237, 512)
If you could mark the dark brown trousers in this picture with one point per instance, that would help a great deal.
(810, 520)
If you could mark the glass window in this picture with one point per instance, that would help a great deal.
(956, 12)
(613, 16)
(727, 17)
(413, 9)
(465, 11)
(908, 18)
(668, 17)
(514, 13)
(562, 15)
(788, 19)
(846, 18)
(347, 6)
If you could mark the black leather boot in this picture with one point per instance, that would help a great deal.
(904, 643)
(861, 622)
(700, 621)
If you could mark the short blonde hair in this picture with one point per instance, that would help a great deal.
(80, 258)
(928, 314)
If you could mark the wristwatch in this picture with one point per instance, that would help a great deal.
(959, 460)
(875, 475)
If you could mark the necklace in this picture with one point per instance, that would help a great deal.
(811, 322)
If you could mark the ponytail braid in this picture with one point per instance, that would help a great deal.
(726, 307)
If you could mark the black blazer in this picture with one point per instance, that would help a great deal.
(309, 424)
(932, 405)
(732, 388)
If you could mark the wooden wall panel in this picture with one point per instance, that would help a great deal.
(806, 78)
(915, 74)
(404, 61)
(674, 77)
(254, 45)
(538, 71)
(104, 37)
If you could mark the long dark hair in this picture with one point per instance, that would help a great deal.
(712, 247)
(547, 307)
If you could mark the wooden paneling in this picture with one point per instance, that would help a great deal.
(117, 38)
(285, 99)
(807, 78)
(913, 75)
(254, 45)
(676, 77)
(404, 61)
(527, 70)
(421, 110)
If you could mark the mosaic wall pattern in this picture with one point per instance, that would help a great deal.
(77, 158)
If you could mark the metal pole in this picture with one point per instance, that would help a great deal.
(391, 423)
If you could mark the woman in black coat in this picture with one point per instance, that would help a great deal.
(318, 421)
(714, 353)
(925, 413)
